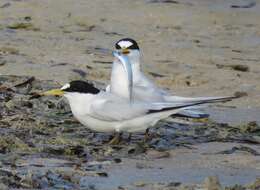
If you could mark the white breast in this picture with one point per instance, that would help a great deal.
(119, 80)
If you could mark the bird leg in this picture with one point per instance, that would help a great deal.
(116, 139)
(146, 135)
(129, 137)
(93, 135)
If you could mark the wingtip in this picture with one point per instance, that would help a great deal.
(239, 94)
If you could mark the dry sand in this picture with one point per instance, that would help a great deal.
(194, 46)
(184, 42)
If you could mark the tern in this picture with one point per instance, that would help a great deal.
(144, 89)
(106, 112)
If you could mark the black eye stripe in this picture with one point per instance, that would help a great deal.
(134, 46)
(117, 46)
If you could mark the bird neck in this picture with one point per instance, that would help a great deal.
(136, 68)
(119, 80)
(79, 103)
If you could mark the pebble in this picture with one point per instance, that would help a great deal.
(212, 183)
(157, 154)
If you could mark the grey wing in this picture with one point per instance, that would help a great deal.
(146, 90)
(143, 93)
(109, 107)
(115, 109)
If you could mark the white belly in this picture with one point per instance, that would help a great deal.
(132, 125)
(96, 124)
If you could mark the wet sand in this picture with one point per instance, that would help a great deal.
(194, 48)
(190, 166)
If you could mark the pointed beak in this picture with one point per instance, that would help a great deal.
(128, 69)
(53, 92)
(125, 51)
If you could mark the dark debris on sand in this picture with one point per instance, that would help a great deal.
(43, 146)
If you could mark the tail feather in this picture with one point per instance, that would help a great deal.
(177, 105)
(153, 116)
(179, 99)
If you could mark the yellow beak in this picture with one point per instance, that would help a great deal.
(54, 92)
(125, 51)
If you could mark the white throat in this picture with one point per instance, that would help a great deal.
(79, 102)
(119, 80)
(136, 67)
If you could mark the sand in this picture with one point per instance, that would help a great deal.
(190, 47)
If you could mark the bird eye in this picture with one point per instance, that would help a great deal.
(133, 46)
(66, 86)
(118, 47)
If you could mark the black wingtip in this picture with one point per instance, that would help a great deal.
(240, 94)
(225, 99)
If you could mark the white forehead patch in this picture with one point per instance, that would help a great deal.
(65, 86)
(125, 44)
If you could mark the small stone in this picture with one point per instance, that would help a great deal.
(2, 62)
(157, 154)
(174, 184)
(138, 149)
(5, 6)
(139, 184)
(220, 66)
(8, 50)
(242, 68)
(27, 18)
(196, 41)
(142, 166)
(212, 183)
(102, 174)
(80, 72)
(156, 75)
(117, 160)
(23, 26)
(163, 1)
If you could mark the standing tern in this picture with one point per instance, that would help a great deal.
(143, 88)
(106, 112)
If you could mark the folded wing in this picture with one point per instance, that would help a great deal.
(114, 109)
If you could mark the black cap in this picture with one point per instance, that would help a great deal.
(81, 87)
(126, 43)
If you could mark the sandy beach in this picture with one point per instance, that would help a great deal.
(190, 47)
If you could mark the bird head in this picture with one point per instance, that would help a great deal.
(129, 48)
(73, 87)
